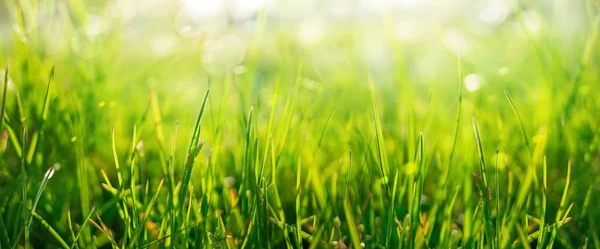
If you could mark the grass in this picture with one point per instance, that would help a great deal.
(356, 141)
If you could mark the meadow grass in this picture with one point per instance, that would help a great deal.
(107, 145)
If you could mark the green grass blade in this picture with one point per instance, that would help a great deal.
(585, 59)
(512, 105)
(85, 221)
(55, 167)
(4, 240)
(147, 212)
(544, 202)
(193, 151)
(561, 208)
(298, 205)
(383, 167)
(458, 115)
(24, 189)
(497, 230)
(44, 115)
(484, 190)
(50, 229)
(4, 90)
(354, 235)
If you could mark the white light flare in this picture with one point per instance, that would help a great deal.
(473, 82)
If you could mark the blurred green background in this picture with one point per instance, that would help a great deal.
(112, 57)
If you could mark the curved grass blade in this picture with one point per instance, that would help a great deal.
(55, 167)
(512, 105)
(105, 230)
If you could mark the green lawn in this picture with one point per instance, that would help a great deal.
(132, 124)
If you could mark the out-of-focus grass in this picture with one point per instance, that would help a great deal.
(132, 125)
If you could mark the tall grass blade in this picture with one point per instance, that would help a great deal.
(43, 116)
(484, 190)
(193, 151)
(383, 168)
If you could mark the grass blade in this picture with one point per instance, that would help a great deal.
(484, 190)
(512, 105)
(383, 167)
(55, 167)
(85, 221)
(193, 151)
(4, 90)
(53, 232)
(44, 115)
(146, 214)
